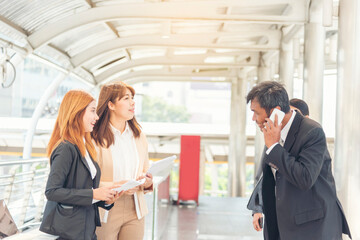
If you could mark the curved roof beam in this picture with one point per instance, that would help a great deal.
(195, 61)
(210, 11)
(177, 78)
(201, 41)
(13, 27)
(61, 69)
(170, 55)
(168, 74)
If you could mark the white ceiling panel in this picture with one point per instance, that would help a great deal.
(102, 39)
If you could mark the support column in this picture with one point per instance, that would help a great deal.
(333, 48)
(17, 90)
(237, 138)
(286, 69)
(347, 151)
(214, 171)
(202, 169)
(259, 147)
(37, 114)
(314, 61)
(263, 75)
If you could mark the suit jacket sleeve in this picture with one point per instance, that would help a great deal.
(61, 163)
(255, 203)
(102, 204)
(304, 169)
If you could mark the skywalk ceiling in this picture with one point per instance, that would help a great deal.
(104, 40)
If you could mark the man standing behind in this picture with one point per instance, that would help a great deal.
(300, 105)
(298, 188)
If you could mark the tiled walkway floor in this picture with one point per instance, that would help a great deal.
(215, 218)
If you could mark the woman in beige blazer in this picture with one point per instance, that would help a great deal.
(122, 155)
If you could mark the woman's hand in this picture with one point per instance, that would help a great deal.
(116, 197)
(104, 193)
(148, 181)
(132, 191)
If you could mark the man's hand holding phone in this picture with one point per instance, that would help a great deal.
(272, 128)
(280, 114)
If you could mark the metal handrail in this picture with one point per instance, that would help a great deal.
(26, 183)
(22, 162)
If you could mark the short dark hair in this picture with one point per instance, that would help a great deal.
(270, 94)
(301, 105)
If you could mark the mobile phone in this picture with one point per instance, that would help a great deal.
(279, 113)
(261, 222)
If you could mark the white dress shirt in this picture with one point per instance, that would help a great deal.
(283, 136)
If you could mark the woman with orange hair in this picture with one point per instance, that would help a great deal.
(123, 155)
(72, 187)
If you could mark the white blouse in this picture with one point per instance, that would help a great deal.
(90, 164)
(125, 158)
(124, 155)
(92, 168)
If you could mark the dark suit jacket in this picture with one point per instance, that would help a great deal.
(69, 212)
(305, 205)
(255, 203)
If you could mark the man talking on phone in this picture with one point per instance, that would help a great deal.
(297, 190)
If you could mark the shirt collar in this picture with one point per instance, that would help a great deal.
(116, 131)
(285, 130)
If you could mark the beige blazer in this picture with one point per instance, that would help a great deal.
(105, 162)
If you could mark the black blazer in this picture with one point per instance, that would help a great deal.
(305, 205)
(69, 212)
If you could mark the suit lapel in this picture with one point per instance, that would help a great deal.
(96, 179)
(97, 176)
(83, 160)
(294, 129)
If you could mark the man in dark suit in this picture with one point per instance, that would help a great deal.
(298, 190)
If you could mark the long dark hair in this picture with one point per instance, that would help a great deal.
(102, 133)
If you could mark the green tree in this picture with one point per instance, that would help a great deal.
(155, 109)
